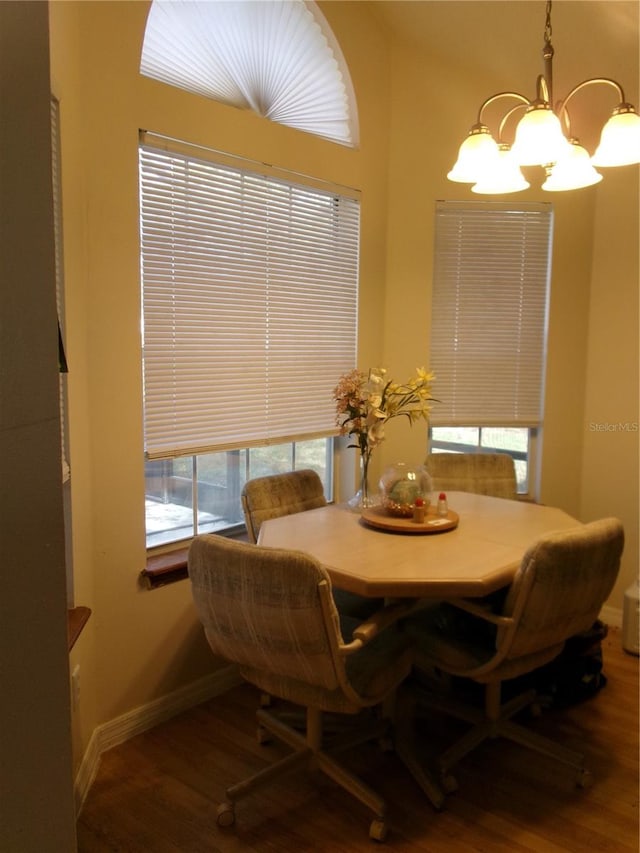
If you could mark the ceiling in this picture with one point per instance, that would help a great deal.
(591, 38)
(509, 33)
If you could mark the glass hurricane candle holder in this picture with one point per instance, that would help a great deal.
(400, 485)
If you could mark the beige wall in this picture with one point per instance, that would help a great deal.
(140, 644)
(611, 417)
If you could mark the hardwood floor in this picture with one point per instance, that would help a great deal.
(158, 793)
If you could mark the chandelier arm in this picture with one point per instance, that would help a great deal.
(495, 97)
(562, 105)
(506, 117)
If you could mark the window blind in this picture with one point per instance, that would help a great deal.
(489, 312)
(249, 291)
(280, 59)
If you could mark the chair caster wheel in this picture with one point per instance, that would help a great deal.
(378, 830)
(226, 815)
(449, 783)
(585, 779)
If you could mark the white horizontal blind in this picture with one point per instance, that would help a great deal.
(250, 288)
(489, 312)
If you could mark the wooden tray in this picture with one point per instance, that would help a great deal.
(378, 517)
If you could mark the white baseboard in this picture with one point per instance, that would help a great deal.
(147, 716)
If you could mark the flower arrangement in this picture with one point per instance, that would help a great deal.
(365, 402)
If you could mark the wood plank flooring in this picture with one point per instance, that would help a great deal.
(158, 793)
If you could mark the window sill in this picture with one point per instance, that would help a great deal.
(163, 569)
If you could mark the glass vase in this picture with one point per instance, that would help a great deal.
(365, 497)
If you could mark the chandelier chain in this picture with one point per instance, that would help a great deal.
(547, 24)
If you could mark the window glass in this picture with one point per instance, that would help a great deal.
(201, 494)
(516, 441)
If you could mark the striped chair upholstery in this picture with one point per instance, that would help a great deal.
(483, 473)
(280, 494)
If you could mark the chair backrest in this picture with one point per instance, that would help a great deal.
(280, 494)
(490, 474)
(261, 608)
(560, 587)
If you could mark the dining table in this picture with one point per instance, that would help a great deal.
(473, 551)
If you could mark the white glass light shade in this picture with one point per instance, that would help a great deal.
(504, 177)
(572, 171)
(620, 139)
(539, 139)
(477, 154)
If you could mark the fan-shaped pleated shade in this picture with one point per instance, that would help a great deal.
(277, 57)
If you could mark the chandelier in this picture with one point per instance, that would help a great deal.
(543, 138)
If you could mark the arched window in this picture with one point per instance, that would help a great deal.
(276, 57)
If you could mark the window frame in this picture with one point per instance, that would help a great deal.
(511, 259)
(529, 457)
(340, 255)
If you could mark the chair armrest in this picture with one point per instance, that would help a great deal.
(481, 612)
(378, 622)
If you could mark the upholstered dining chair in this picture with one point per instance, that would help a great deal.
(276, 495)
(271, 612)
(280, 494)
(562, 582)
(490, 474)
